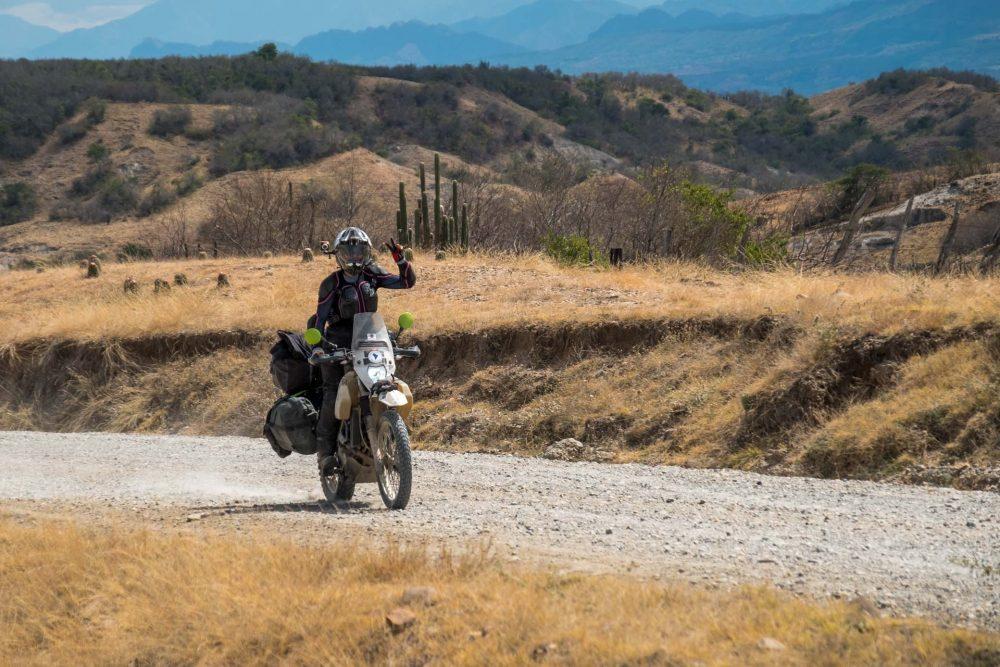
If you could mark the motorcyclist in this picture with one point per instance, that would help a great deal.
(344, 293)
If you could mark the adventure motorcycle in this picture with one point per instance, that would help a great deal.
(373, 444)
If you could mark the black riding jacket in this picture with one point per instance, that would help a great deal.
(340, 300)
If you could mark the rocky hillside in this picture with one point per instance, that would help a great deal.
(167, 148)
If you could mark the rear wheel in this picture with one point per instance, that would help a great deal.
(393, 461)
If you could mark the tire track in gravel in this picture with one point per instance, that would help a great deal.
(907, 549)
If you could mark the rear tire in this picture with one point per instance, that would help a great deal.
(393, 461)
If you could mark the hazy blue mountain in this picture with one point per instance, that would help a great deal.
(18, 37)
(405, 44)
(154, 48)
(657, 20)
(811, 52)
(547, 24)
(753, 7)
(207, 21)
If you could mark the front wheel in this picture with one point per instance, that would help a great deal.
(336, 487)
(393, 462)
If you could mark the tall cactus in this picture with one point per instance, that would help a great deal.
(417, 229)
(454, 202)
(465, 226)
(425, 218)
(438, 227)
(404, 216)
(424, 209)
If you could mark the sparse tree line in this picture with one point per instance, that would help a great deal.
(661, 212)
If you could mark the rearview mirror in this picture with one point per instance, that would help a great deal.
(405, 321)
(313, 337)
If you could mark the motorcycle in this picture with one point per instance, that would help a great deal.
(373, 444)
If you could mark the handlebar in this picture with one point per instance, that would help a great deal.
(342, 355)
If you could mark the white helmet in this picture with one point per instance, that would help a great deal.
(353, 250)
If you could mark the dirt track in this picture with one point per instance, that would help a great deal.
(905, 549)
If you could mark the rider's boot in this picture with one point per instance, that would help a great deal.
(326, 454)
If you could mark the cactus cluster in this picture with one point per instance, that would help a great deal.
(448, 230)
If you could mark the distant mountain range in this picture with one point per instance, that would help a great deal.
(807, 52)
(205, 22)
(548, 24)
(20, 37)
(814, 45)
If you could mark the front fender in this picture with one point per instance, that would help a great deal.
(393, 399)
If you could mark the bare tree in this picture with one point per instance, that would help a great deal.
(255, 213)
(173, 232)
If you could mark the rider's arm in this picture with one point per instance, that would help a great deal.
(327, 296)
(407, 277)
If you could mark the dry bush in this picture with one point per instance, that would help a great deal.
(256, 212)
(174, 232)
(260, 211)
(123, 596)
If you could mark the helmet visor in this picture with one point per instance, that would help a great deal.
(354, 254)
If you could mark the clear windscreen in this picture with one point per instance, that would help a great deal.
(370, 332)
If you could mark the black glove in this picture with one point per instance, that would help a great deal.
(396, 250)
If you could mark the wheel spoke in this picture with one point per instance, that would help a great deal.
(387, 455)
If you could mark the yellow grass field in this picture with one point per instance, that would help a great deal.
(475, 291)
(937, 407)
(120, 595)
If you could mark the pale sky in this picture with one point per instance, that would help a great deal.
(71, 14)
(67, 15)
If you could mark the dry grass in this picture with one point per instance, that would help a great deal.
(692, 388)
(922, 420)
(472, 292)
(120, 596)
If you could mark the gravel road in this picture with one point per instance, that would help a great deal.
(910, 550)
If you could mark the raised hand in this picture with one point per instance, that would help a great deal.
(396, 250)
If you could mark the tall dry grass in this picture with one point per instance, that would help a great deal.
(122, 596)
(474, 291)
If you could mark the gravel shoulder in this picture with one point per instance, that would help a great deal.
(911, 550)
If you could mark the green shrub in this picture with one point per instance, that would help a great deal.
(853, 185)
(92, 180)
(135, 252)
(170, 122)
(18, 202)
(70, 133)
(766, 253)
(158, 198)
(97, 152)
(710, 226)
(188, 183)
(118, 195)
(572, 250)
